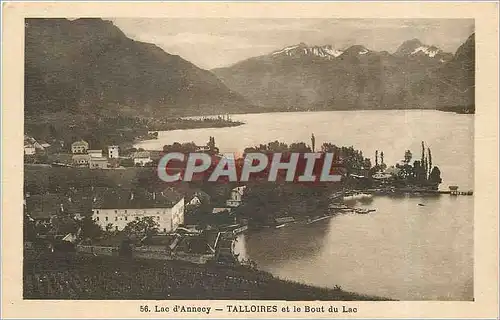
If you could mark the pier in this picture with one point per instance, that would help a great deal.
(452, 191)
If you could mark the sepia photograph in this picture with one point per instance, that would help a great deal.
(183, 160)
(105, 99)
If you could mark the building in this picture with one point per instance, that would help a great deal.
(142, 158)
(31, 146)
(98, 163)
(95, 153)
(81, 160)
(29, 149)
(195, 201)
(79, 146)
(118, 209)
(236, 197)
(219, 210)
(44, 144)
(113, 152)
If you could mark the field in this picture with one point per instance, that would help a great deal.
(80, 277)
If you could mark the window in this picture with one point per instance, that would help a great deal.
(97, 211)
(158, 218)
(125, 218)
(116, 211)
(164, 229)
(125, 210)
(97, 219)
(116, 218)
(116, 228)
(106, 218)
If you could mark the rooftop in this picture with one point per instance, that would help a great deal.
(80, 142)
(141, 154)
(136, 199)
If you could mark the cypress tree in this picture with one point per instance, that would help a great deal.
(430, 161)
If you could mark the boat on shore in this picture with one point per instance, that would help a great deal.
(363, 211)
(309, 221)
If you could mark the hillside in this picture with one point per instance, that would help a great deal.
(88, 66)
(305, 77)
(112, 278)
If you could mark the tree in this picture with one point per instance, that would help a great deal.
(89, 228)
(408, 157)
(430, 161)
(376, 158)
(299, 147)
(211, 143)
(145, 226)
(422, 160)
(435, 176)
(64, 224)
(109, 227)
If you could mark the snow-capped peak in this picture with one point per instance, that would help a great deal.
(327, 51)
(429, 51)
(416, 48)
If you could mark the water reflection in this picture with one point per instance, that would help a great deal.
(273, 248)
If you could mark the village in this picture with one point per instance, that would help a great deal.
(108, 204)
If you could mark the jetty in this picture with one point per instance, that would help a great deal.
(453, 191)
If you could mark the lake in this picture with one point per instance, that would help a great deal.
(411, 248)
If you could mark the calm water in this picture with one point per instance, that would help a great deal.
(403, 250)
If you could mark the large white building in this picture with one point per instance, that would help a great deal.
(113, 152)
(166, 209)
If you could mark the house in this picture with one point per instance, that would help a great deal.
(81, 160)
(119, 208)
(98, 163)
(29, 149)
(113, 152)
(197, 197)
(219, 210)
(142, 158)
(80, 146)
(195, 201)
(44, 144)
(95, 153)
(236, 196)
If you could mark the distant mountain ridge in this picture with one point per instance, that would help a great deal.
(326, 51)
(302, 77)
(89, 66)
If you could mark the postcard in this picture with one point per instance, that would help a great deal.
(250, 160)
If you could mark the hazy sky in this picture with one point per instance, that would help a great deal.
(217, 42)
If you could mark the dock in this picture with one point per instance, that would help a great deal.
(456, 193)
(453, 191)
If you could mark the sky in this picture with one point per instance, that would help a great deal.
(219, 42)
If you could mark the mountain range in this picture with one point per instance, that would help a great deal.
(302, 77)
(89, 67)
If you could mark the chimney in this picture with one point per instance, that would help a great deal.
(61, 207)
(154, 195)
(131, 196)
